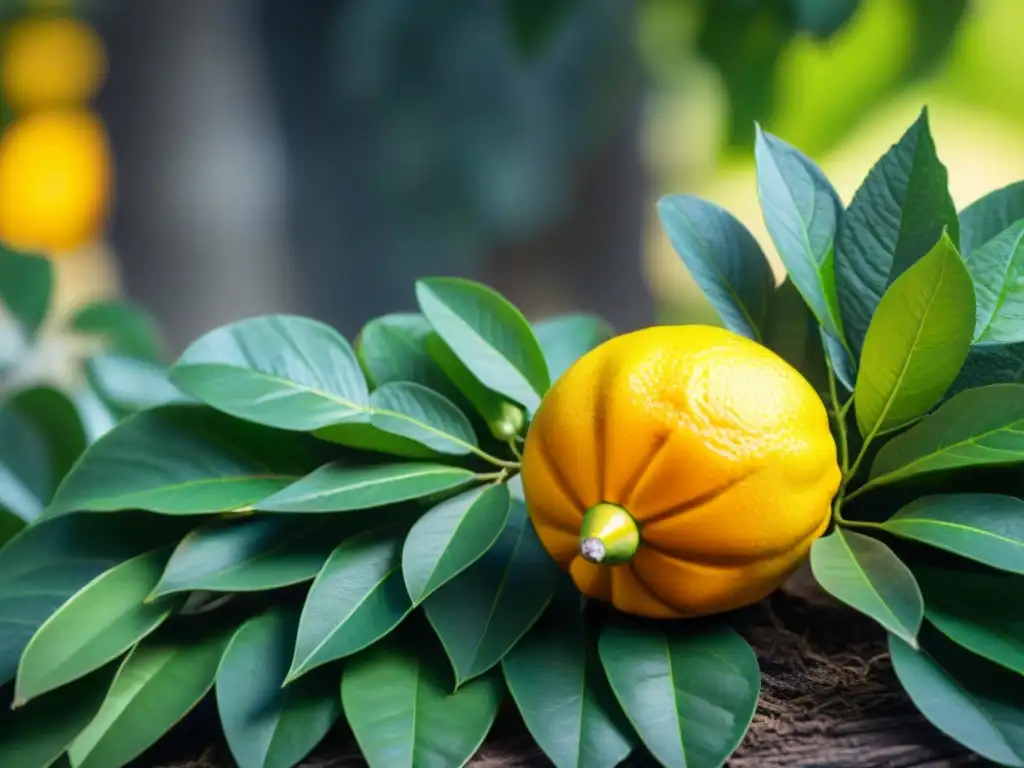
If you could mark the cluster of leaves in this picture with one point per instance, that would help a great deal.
(907, 316)
(310, 531)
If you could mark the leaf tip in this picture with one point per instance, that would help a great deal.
(19, 701)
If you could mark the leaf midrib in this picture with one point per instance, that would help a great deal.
(895, 523)
(871, 585)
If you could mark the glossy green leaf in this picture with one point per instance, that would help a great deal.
(338, 488)
(27, 478)
(404, 714)
(26, 285)
(482, 613)
(266, 724)
(972, 700)
(866, 575)
(982, 612)
(356, 599)
(556, 679)
(160, 681)
(130, 384)
(689, 694)
(393, 348)
(451, 537)
(978, 427)
(489, 335)
(723, 258)
(895, 217)
(54, 414)
(250, 554)
(564, 339)
(989, 215)
(95, 626)
(37, 734)
(916, 343)
(801, 211)
(986, 527)
(185, 460)
(996, 269)
(47, 563)
(127, 328)
(279, 370)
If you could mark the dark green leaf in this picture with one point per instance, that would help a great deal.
(337, 488)
(489, 335)
(983, 612)
(564, 339)
(689, 694)
(27, 478)
(793, 334)
(895, 217)
(10, 524)
(484, 611)
(56, 418)
(801, 211)
(127, 328)
(990, 364)
(185, 460)
(267, 725)
(916, 343)
(451, 537)
(723, 258)
(555, 676)
(972, 700)
(995, 269)
(983, 426)
(250, 554)
(26, 285)
(130, 384)
(36, 735)
(160, 681)
(356, 599)
(44, 565)
(985, 527)
(866, 575)
(95, 626)
(278, 370)
(988, 216)
(393, 348)
(403, 713)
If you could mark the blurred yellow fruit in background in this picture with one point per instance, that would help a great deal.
(50, 62)
(54, 180)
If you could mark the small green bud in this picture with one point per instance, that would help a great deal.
(508, 423)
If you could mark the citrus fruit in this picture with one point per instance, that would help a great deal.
(49, 62)
(54, 180)
(680, 471)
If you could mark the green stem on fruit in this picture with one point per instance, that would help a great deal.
(608, 535)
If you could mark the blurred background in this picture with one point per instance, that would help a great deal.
(215, 159)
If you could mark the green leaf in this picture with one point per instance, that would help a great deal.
(982, 612)
(36, 735)
(489, 335)
(917, 341)
(690, 694)
(985, 527)
(451, 537)
(97, 417)
(970, 699)
(979, 427)
(895, 217)
(27, 478)
(403, 713)
(46, 564)
(278, 370)
(10, 524)
(482, 613)
(793, 334)
(183, 460)
(160, 681)
(356, 599)
(723, 258)
(866, 575)
(556, 679)
(995, 268)
(801, 211)
(55, 415)
(130, 384)
(127, 328)
(393, 348)
(266, 724)
(410, 420)
(338, 488)
(26, 285)
(95, 626)
(988, 216)
(564, 339)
